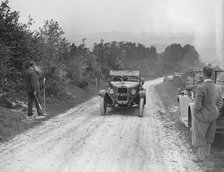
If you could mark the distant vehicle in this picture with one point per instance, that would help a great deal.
(168, 79)
(172, 78)
(186, 99)
(125, 90)
(176, 75)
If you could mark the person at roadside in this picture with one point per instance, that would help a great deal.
(33, 89)
(208, 102)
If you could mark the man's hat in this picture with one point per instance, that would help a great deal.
(31, 63)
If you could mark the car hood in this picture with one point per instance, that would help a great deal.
(124, 84)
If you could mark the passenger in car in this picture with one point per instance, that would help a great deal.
(117, 78)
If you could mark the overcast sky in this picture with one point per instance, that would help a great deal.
(87, 16)
(80, 17)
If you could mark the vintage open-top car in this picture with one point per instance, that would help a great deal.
(186, 98)
(125, 90)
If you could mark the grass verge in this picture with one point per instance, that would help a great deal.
(168, 93)
(13, 122)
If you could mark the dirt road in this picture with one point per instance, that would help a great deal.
(81, 140)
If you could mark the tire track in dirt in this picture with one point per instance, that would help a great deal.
(81, 140)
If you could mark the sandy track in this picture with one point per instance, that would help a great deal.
(81, 140)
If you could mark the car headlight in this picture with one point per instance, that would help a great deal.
(111, 91)
(133, 91)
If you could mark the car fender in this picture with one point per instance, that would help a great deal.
(142, 94)
(102, 93)
(191, 108)
(190, 115)
(191, 105)
(184, 102)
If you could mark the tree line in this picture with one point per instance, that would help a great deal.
(63, 62)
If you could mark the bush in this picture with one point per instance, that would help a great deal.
(54, 87)
(77, 74)
(82, 83)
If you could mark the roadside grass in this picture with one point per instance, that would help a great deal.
(168, 94)
(10, 123)
(168, 91)
(13, 121)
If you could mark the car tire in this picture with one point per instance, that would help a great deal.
(103, 106)
(189, 119)
(141, 107)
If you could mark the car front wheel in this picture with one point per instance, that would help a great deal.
(103, 106)
(141, 107)
(189, 119)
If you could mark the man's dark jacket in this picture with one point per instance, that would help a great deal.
(32, 82)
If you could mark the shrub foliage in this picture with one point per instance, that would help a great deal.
(62, 62)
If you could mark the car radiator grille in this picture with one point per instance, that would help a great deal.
(119, 98)
(122, 90)
(122, 94)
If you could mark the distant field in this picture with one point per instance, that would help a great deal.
(208, 55)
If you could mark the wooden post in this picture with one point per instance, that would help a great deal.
(44, 94)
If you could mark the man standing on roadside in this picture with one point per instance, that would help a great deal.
(33, 89)
(208, 102)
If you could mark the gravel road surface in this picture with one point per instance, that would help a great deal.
(81, 140)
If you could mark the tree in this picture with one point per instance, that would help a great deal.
(175, 58)
(54, 50)
(190, 57)
(109, 55)
(15, 48)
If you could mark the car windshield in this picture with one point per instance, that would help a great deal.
(125, 78)
(220, 78)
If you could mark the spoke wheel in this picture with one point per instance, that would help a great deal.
(141, 107)
(189, 119)
(103, 106)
